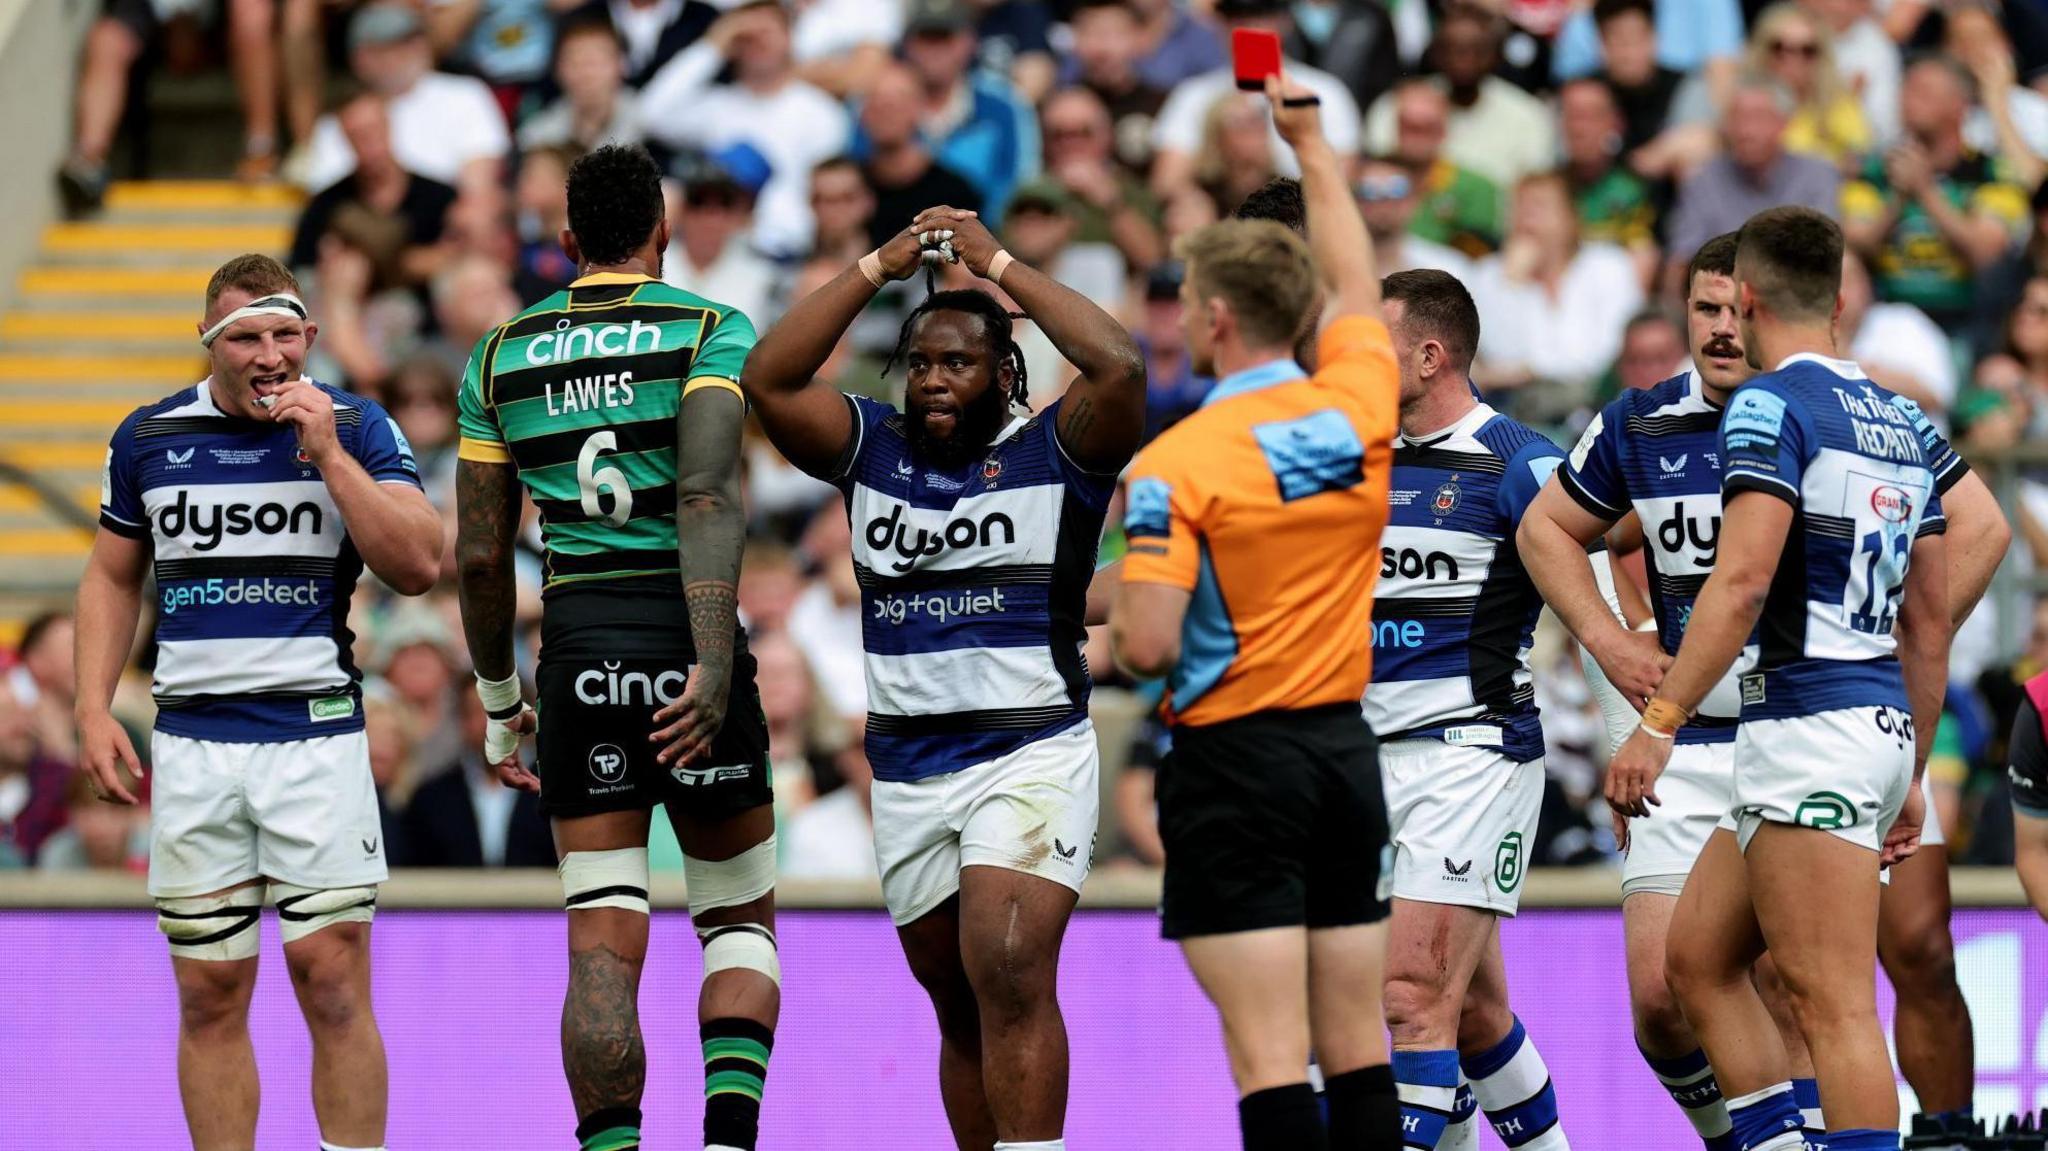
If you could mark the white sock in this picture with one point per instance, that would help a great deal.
(1513, 1086)
(326, 1146)
(1041, 1145)
(1462, 1132)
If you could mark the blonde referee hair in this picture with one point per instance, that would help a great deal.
(1261, 269)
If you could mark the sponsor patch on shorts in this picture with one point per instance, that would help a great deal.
(333, 707)
(1473, 735)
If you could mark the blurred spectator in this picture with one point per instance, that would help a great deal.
(1013, 39)
(1178, 44)
(2007, 120)
(1691, 36)
(842, 45)
(1387, 199)
(506, 42)
(653, 31)
(1652, 351)
(1920, 25)
(2025, 392)
(392, 216)
(770, 579)
(1643, 88)
(415, 654)
(447, 128)
(1177, 137)
(1995, 414)
(96, 835)
(1753, 173)
(789, 124)
(1554, 306)
(472, 295)
(33, 786)
(594, 107)
(1866, 60)
(1109, 37)
(1457, 208)
(421, 397)
(789, 704)
(710, 248)
(463, 816)
(975, 123)
(1237, 155)
(1109, 204)
(1493, 128)
(1932, 212)
(825, 620)
(1614, 204)
(1895, 344)
(901, 169)
(391, 733)
(1172, 389)
(1041, 229)
(833, 837)
(44, 683)
(1791, 46)
(541, 205)
(1352, 41)
(843, 206)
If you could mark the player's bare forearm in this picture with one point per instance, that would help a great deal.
(1552, 539)
(1753, 530)
(1923, 632)
(1978, 536)
(711, 527)
(486, 532)
(1336, 232)
(109, 605)
(1102, 593)
(1102, 417)
(807, 421)
(393, 526)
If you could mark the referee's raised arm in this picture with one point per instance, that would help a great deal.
(1336, 232)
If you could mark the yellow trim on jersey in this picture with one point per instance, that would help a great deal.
(483, 451)
(596, 278)
(696, 382)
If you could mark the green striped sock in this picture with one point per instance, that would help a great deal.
(735, 1070)
(611, 1129)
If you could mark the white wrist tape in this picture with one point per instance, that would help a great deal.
(499, 696)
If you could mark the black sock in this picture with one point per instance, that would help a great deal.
(1283, 1119)
(735, 1068)
(1365, 1113)
(610, 1129)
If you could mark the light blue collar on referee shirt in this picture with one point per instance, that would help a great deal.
(1252, 379)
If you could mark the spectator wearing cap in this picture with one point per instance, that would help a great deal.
(974, 123)
(1108, 203)
(1933, 213)
(1614, 204)
(791, 125)
(1042, 229)
(1691, 36)
(462, 815)
(1177, 137)
(653, 31)
(711, 224)
(1895, 344)
(899, 165)
(1753, 172)
(1455, 207)
(443, 127)
(1108, 46)
(1495, 129)
(1387, 200)
(595, 106)
(1172, 389)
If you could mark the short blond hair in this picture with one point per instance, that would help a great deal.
(255, 273)
(1262, 269)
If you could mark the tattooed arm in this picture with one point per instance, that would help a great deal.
(711, 530)
(486, 531)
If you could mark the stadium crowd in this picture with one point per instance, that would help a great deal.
(1564, 159)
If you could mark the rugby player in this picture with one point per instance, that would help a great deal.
(256, 497)
(616, 405)
(975, 527)
(2027, 757)
(1653, 457)
(1831, 535)
(1454, 702)
(1254, 527)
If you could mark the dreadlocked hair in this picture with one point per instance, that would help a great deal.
(995, 319)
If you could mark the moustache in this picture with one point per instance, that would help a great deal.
(1722, 347)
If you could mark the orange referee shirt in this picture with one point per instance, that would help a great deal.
(1267, 503)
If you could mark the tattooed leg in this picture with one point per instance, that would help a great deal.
(602, 1053)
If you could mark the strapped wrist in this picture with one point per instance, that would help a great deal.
(501, 698)
(1663, 718)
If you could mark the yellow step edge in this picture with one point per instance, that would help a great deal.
(106, 327)
(187, 282)
(17, 500)
(18, 367)
(78, 455)
(74, 238)
(46, 542)
(221, 195)
(43, 413)
(10, 632)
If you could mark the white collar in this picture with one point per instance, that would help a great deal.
(1464, 425)
(1846, 369)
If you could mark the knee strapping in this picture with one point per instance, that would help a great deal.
(212, 927)
(301, 911)
(716, 883)
(593, 879)
(747, 945)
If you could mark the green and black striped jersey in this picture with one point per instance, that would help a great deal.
(580, 393)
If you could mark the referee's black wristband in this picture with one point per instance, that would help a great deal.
(1301, 101)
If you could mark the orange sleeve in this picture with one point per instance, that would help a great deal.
(1356, 353)
(1162, 534)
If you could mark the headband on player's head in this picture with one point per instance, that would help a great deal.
(276, 304)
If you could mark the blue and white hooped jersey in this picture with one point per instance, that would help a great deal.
(974, 584)
(254, 568)
(1455, 611)
(1854, 461)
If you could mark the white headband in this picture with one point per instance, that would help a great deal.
(281, 304)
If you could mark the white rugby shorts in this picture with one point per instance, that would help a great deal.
(1462, 821)
(302, 812)
(1033, 810)
(1697, 789)
(1845, 772)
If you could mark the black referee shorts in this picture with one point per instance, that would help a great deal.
(1272, 820)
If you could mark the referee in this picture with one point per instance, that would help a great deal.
(1255, 532)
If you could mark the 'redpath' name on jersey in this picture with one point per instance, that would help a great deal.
(1891, 437)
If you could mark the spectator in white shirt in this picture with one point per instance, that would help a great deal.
(842, 45)
(1896, 344)
(710, 252)
(594, 107)
(443, 127)
(1387, 199)
(1177, 133)
(653, 30)
(1555, 308)
(790, 123)
(1497, 130)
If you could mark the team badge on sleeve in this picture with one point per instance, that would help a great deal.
(1754, 420)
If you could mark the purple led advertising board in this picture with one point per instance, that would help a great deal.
(470, 1005)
